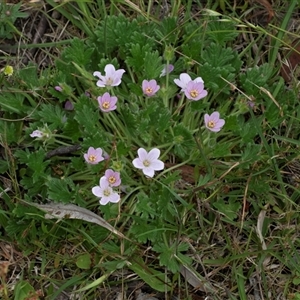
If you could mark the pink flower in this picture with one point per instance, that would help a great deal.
(112, 177)
(112, 76)
(58, 88)
(184, 79)
(213, 121)
(105, 192)
(166, 70)
(37, 133)
(148, 162)
(107, 103)
(195, 90)
(150, 87)
(69, 105)
(93, 156)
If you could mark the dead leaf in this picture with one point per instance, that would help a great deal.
(268, 8)
(291, 62)
(259, 227)
(71, 211)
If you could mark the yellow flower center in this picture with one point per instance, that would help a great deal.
(109, 81)
(106, 105)
(106, 192)
(211, 124)
(92, 158)
(112, 179)
(146, 163)
(194, 93)
(148, 90)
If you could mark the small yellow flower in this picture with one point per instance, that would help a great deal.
(8, 70)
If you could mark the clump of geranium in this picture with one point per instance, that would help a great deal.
(104, 191)
(193, 89)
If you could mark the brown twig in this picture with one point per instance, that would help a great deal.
(41, 29)
(63, 150)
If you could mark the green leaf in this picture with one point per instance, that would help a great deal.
(217, 56)
(72, 130)
(12, 132)
(228, 209)
(250, 154)
(221, 31)
(106, 34)
(152, 277)
(60, 190)
(153, 64)
(183, 140)
(84, 261)
(254, 78)
(137, 59)
(4, 166)
(37, 164)
(78, 53)
(168, 30)
(221, 150)
(87, 115)
(29, 76)
(12, 102)
(171, 257)
(145, 207)
(248, 132)
(144, 230)
(218, 63)
(51, 114)
(129, 116)
(23, 290)
(296, 281)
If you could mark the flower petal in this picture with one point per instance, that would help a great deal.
(142, 153)
(220, 123)
(148, 171)
(138, 163)
(100, 83)
(185, 77)
(96, 73)
(104, 183)
(97, 191)
(110, 70)
(154, 154)
(215, 116)
(114, 198)
(157, 165)
(179, 83)
(199, 79)
(206, 118)
(104, 200)
(144, 84)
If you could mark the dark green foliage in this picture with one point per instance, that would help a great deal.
(221, 31)
(206, 201)
(220, 67)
